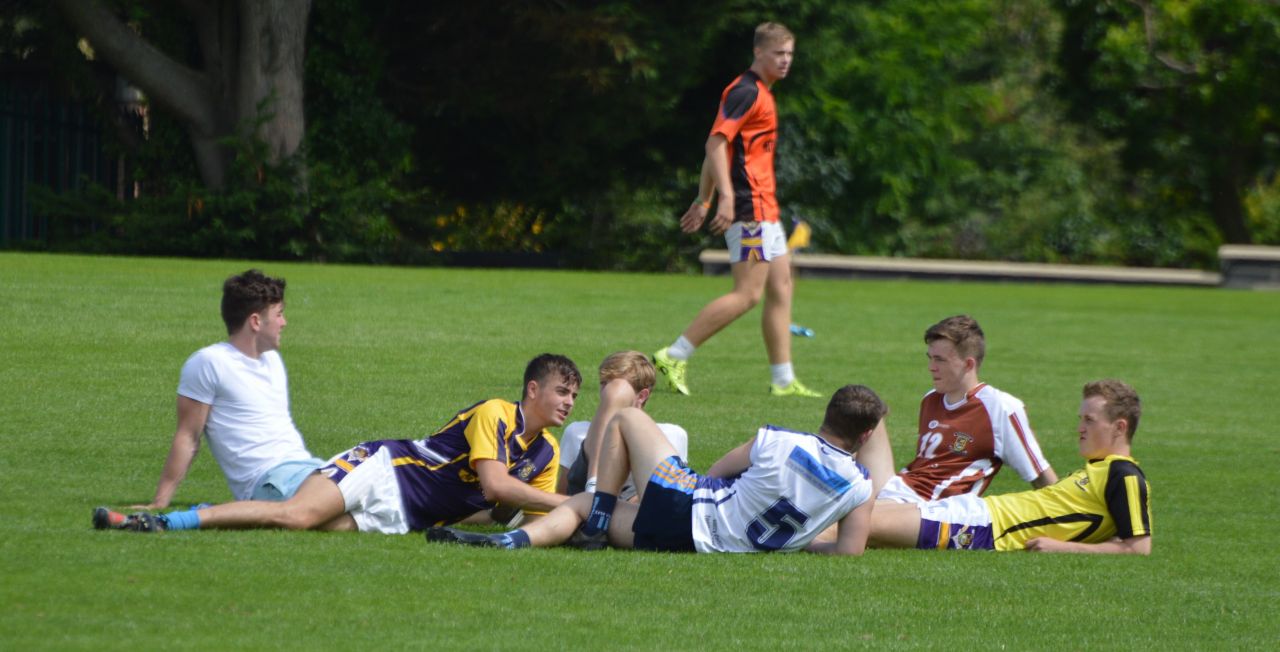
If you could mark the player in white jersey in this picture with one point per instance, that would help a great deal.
(968, 429)
(796, 485)
(775, 492)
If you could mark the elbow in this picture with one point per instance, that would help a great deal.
(497, 493)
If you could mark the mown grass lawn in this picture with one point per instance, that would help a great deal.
(90, 350)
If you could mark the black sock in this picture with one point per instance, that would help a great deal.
(601, 513)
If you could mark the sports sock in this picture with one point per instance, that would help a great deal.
(186, 519)
(602, 505)
(513, 539)
(682, 349)
(783, 374)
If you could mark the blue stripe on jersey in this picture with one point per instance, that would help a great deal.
(721, 487)
(825, 479)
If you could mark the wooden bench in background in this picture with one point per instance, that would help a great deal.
(1243, 266)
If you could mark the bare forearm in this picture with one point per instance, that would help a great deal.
(715, 168)
(1131, 546)
(707, 181)
(734, 462)
(521, 495)
(176, 465)
(1045, 479)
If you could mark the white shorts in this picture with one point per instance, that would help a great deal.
(897, 491)
(965, 509)
(369, 489)
(755, 241)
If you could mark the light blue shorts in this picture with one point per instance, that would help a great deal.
(283, 480)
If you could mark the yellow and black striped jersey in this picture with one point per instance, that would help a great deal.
(1108, 498)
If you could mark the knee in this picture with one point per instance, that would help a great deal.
(749, 297)
(780, 290)
(630, 415)
(297, 517)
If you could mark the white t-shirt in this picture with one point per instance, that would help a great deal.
(797, 486)
(576, 433)
(249, 428)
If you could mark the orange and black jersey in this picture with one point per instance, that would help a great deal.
(748, 119)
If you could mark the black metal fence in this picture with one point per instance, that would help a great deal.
(49, 142)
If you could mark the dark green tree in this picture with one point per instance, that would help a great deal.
(1189, 88)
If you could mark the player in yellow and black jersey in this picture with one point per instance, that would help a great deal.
(1103, 508)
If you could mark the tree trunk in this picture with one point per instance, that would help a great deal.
(1225, 203)
(273, 38)
(251, 83)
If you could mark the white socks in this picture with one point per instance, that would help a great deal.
(783, 374)
(682, 349)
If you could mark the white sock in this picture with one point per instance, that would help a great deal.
(682, 349)
(783, 375)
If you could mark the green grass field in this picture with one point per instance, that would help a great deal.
(90, 350)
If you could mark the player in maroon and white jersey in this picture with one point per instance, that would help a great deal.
(968, 429)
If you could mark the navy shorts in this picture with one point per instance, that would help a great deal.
(665, 520)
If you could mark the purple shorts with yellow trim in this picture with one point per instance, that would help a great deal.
(956, 523)
(936, 535)
(762, 241)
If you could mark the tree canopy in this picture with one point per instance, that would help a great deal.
(1121, 131)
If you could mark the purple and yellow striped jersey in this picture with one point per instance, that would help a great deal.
(437, 477)
(1107, 498)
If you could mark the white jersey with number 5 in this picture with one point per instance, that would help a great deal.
(796, 487)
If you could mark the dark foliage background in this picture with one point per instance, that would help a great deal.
(570, 132)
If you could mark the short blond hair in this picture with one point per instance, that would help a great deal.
(632, 366)
(771, 32)
(1122, 402)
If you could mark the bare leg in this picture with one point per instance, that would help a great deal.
(317, 503)
(775, 320)
(620, 534)
(344, 523)
(633, 444)
(749, 278)
(877, 456)
(894, 525)
(558, 525)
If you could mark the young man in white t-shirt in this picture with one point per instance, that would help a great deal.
(626, 380)
(236, 393)
(776, 492)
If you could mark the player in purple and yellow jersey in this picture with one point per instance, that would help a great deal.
(494, 452)
(738, 174)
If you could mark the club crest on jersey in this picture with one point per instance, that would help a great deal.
(1083, 483)
(963, 539)
(358, 454)
(465, 475)
(524, 471)
(960, 442)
